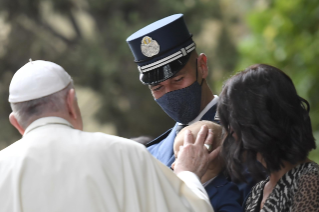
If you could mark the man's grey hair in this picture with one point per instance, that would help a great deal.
(26, 112)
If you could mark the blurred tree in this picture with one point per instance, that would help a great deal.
(285, 34)
(87, 38)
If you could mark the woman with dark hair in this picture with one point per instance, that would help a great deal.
(268, 128)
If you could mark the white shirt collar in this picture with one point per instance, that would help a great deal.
(208, 106)
(45, 121)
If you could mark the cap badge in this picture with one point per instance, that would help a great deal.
(149, 47)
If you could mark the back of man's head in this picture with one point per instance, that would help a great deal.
(39, 89)
(28, 111)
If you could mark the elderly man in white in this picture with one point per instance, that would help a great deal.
(57, 167)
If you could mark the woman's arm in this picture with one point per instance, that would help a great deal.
(306, 198)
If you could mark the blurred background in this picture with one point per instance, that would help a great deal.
(87, 38)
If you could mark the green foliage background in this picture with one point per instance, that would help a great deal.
(285, 34)
(87, 38)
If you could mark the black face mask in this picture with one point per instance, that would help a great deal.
(182, 105)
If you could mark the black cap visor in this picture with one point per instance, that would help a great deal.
(165, 72)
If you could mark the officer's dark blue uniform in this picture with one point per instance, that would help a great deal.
(161, 50)
(224, 195)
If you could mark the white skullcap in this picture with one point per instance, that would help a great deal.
(37, 79)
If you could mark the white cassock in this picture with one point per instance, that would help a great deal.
(55, 168)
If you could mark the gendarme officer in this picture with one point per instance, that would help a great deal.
(168, 63)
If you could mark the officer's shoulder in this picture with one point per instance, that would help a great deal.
(159, 138)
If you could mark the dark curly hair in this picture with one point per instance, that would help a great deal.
(261, 112)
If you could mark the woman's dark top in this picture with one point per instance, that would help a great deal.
(297, 190)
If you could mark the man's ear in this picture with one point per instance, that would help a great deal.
(202, 65)
(71, 103)
(15, 123)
